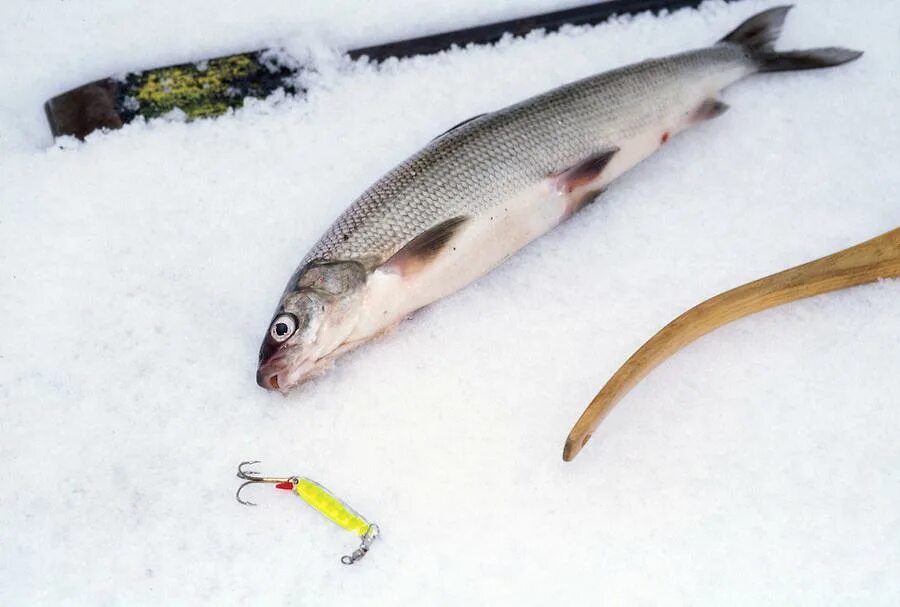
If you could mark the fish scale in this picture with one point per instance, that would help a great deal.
(479, 165)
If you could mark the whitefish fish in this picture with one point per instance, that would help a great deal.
(483, 190)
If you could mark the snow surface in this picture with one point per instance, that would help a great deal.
(138, 272)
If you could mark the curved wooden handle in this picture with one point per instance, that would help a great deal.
(863, 263)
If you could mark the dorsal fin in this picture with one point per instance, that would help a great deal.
(456, 126)
(419, 251)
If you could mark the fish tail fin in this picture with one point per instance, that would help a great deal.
(757, 36)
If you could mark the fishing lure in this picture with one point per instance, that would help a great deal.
(322, 500)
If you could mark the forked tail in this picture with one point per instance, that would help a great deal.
(758, 34)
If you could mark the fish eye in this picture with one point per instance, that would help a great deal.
(283, 327)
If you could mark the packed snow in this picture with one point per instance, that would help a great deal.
(139, 270)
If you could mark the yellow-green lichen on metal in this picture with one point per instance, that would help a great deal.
(203, 89)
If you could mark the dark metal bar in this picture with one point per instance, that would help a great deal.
(211, 87)
(591, 14)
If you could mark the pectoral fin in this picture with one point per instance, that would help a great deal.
(422, 249)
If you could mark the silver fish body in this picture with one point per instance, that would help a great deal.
(483, 190)
(477, 167)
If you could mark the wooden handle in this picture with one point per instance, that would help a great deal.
(863, 263)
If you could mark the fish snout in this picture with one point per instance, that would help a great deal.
(269, 370)
(266, 380)
(283, 373)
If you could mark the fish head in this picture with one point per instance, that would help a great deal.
(317, 313)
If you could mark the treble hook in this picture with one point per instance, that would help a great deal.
(252, 477)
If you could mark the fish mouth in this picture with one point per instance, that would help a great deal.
(268, 379)
(278, 374)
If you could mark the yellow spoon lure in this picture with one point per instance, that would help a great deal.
(322, 500)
